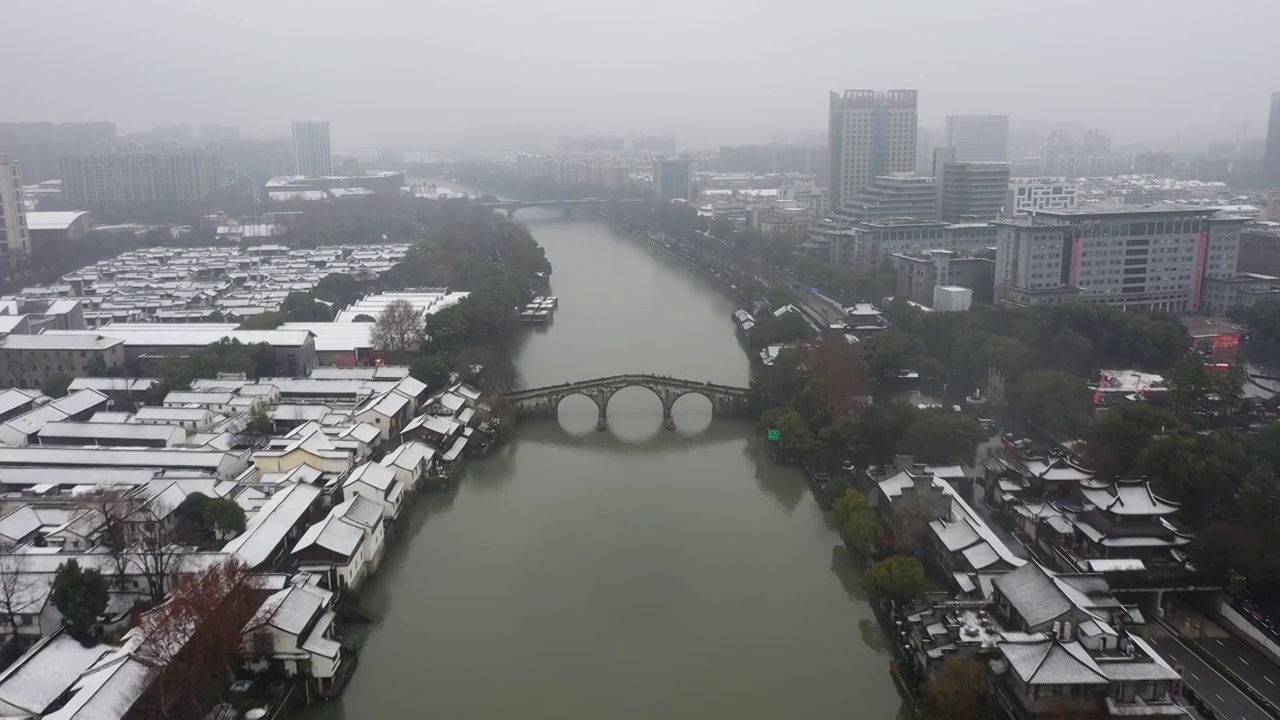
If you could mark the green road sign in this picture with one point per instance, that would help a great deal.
(774, 435)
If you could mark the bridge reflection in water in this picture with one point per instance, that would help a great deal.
(726, 400)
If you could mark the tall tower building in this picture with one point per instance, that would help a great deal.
(979, 138)
(311, 151)
(15, 239)
(870, 134)
(1271, 163)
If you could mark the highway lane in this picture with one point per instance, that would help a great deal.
(1254, 669)
(1225, 699)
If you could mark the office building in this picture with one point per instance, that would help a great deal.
(1150, 257)
(979, 138)
(924, 153)
(969, 191)
(673, 178)
(1260, 249)
(27, 361)
(587, 144)
(1046, 193)
(864, 247)
(176, 174)
(895, 196)
(1271, 162)
(870, 134)
(313, 157)
(15, 240)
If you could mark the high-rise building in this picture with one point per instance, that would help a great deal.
(895, 196)
(215, 132)
(969, 191)
(1271, 163)
(1152, 257)
(188, 174)
(870, 133)
(313, 156)
(15, 238)
(924, 153)
(979, 138)
(673, 178)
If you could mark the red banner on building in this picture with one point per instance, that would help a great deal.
(1198, 278)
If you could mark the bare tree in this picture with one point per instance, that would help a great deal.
(153, 548)
(15, 585)
(194, 640)
(399, 330)
(111, 506)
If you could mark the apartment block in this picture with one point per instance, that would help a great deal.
(979, 138)
(901, 195)
(15, 237)
(1155, 257)
(969, 191)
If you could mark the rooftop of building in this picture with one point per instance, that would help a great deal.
(59, 220)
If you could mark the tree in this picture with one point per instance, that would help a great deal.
(154, 553)
(193, 641)
(960, 689)
(1057, 402)
(432, 370)
(899, 578)
(939, 436)
(839, 377)
(260, 424)
(97, 366)
(399, 329)
(15, 589)
(225, 518)
(839, 435)
(796, 439)
(111, 505)
(81, 595)
(1125, 431)
(891, 351)
(56, 385)
(263, 321)
(859, 524)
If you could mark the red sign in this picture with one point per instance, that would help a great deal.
(1075, 261)
(1199, 275)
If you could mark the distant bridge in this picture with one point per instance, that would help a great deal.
(726, 400)
(511, 206)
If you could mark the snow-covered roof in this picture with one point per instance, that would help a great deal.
(45, 671)
(270, 525)
(372, 474)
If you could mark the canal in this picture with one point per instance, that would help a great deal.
(633, 573)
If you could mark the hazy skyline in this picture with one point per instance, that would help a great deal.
(708, 72)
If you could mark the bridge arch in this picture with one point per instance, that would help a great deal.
(724, 399)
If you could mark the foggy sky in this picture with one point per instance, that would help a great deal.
(707, 71)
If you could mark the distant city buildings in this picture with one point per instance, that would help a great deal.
(313, 155)
(587, 144)
(1271, 163)
(573, 171)
(1160, 257)
(934, 278)
(39, 145)
(673, 178)
(15, 240)
(661, 144)
(969, 191)
(1045, 193)
(979, 138)
(177, 174)
(871, 133)
(213, 132)
(772, 158)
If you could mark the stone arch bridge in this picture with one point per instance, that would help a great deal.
(567, 206)
(726, 400)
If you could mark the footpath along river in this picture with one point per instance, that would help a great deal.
(633, 573)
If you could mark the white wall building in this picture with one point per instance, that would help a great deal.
(1043, 193)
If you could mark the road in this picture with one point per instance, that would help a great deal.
(1229, 702)
(1242, 660)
